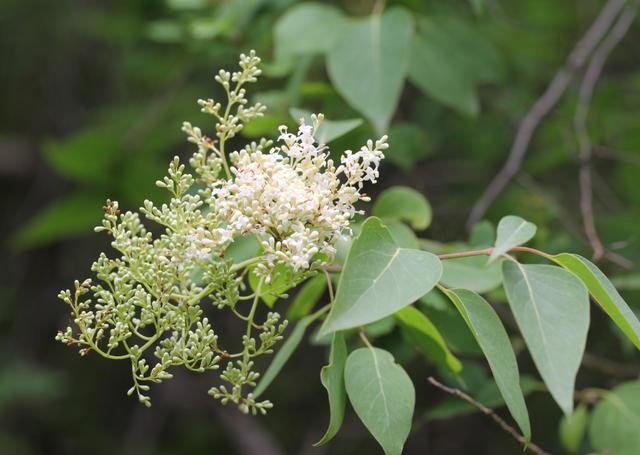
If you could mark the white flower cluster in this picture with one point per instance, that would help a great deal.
(294, 197)
(147, 305)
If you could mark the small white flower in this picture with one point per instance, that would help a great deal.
(293, 196)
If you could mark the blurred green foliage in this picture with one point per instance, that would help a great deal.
(93, 96)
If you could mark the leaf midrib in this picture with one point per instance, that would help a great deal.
(382, 394)
(621, 406)
(538, 318)
(386, 267)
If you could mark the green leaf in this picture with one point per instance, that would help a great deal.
(432, 72)
(451, 324)
(328, 129)
(421, 333)
(64, 218)
(87, 156)
(309, 28)
(494, 342)
(242, 248)
(551, 307)
(379, 278)
(471, 273)
(382, 395)
(283, 355)
(408, 144)
(604, 293)
(307, 297)
(449, 59)
(615, 421)
(471, 50)
(573, 428)
(483, 235)
(332, 377)
(404, 203)
(369, 62)
(281, 281)
(512, 231)
(263, 126)
(402, 234)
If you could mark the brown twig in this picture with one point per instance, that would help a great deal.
(543, 106)
(618, 259)
(333, 268)
(530, 446)
(589, 81)
(568, 221)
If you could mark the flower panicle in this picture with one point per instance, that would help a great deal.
(148, 305)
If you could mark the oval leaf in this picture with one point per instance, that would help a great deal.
(551, 307)
(372, 57)
(450, 57)
(615, 421)
(425, 336)
(308, 29)
(512, 231)
(332, 377)
(436, 74)
(379, 279)
(494, 342)
(405, 204)
(604, 293)
(382, 395)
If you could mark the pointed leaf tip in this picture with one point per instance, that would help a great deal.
(512, 231)
(382, 395)
(379, 278)
(551, 308)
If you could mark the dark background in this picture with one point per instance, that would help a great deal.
(92, 97)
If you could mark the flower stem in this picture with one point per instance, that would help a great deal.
(243, 264)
